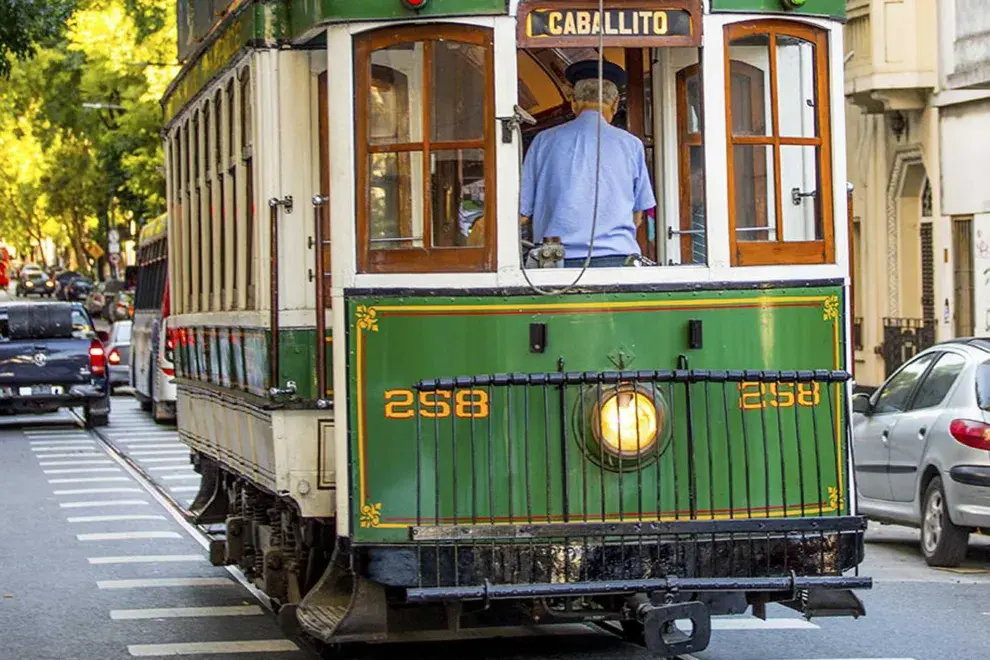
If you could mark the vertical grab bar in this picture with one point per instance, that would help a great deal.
(273, 365)
(319, 202)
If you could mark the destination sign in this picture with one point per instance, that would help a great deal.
(568, 26)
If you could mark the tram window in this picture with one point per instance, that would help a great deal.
(691, 166)
(221, 198)
(779, 152)
(246, 144)
(426, 137)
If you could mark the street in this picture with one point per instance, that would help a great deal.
(100, 568)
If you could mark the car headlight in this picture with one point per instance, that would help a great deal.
(49, 284)
(626, 422)
(29, 284)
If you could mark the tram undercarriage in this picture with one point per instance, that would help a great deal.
(635, 579)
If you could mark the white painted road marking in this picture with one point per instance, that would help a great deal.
(161, 452)
(81, 470)
(151, 439)
(61, 445)
(181, 460)
(760, 624)
(127, 536)
(128, 516)
(181, 476)
(81, 505)
(165, 582)
(145, 559)
(183, 612)
(102, 461)
(86, 491)
(81, 454)
(183, 489)
(87, 480)
(199, 648)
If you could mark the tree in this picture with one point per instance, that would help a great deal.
(26, 23)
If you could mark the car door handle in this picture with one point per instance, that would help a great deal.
(885, 435)
(922, 432)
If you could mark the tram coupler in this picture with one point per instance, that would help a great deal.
(664, 639)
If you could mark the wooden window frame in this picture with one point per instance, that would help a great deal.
(428, 259)
(246, 131)
(685, 140)
(755, 253)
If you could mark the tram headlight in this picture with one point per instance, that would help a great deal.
(627, 423)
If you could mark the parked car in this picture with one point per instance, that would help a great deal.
(97, 299)
(34, 281)
(51, 356)
(119, 306)
(62, 278)
(78, 289)
(922, 447)
(119, 354)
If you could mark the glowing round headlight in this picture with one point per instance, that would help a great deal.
(627, 423)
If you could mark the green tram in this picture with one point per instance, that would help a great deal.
(403, 429)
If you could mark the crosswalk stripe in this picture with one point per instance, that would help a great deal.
(145, 559)
(127, 536)
(87, 491)
(88, 480)
(165, 582)
(184, 612)
(180, 460)
(177, 477)
(760, 624)
(129, 516)
(172, 468)
(183, 489)
(146, 440)
(95, 503)
(102, 461)
(198, 648)
(81, 470)
(81, 454)
(174, 446)
(38, 445)
(161, 452)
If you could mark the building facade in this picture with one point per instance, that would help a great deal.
(917, 83)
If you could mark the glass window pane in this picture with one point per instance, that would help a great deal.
(458, 188)
(396, 200)
(750, 85)
(939, 381)
(697, 192)
(801, 207)
(893, 397)
(755, 203)
(796, 87)
(396, 97)
(458, 94)
(693, 104)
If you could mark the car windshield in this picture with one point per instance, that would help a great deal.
(983, 385)
(122, 332)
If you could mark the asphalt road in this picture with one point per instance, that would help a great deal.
(95, 566)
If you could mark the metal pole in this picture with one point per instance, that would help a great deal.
(321, 322)
(273, 266)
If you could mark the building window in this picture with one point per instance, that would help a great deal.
(425, 148)
(962, 276)
(779, 159)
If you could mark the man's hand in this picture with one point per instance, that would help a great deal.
(637, 218)
(524, 220)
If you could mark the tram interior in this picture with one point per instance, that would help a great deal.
(662, 105)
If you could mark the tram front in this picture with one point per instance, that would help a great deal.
(560, 443)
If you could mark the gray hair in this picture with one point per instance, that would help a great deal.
(586, 91)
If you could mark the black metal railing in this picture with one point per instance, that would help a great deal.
(903, 338)
(525, 481)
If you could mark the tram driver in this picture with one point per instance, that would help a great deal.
(558, 180)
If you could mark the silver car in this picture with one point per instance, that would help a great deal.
(922, 447)
(119, 354)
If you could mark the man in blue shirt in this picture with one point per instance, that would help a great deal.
(558, 181)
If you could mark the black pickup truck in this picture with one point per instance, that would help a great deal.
(52, 357)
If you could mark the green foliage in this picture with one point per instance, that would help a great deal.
(83, 169)
(26, 23)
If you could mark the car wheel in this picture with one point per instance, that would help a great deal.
(942, 542)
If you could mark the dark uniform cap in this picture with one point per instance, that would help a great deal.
(588, 70)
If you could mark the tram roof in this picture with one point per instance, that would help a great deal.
(212, 33)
